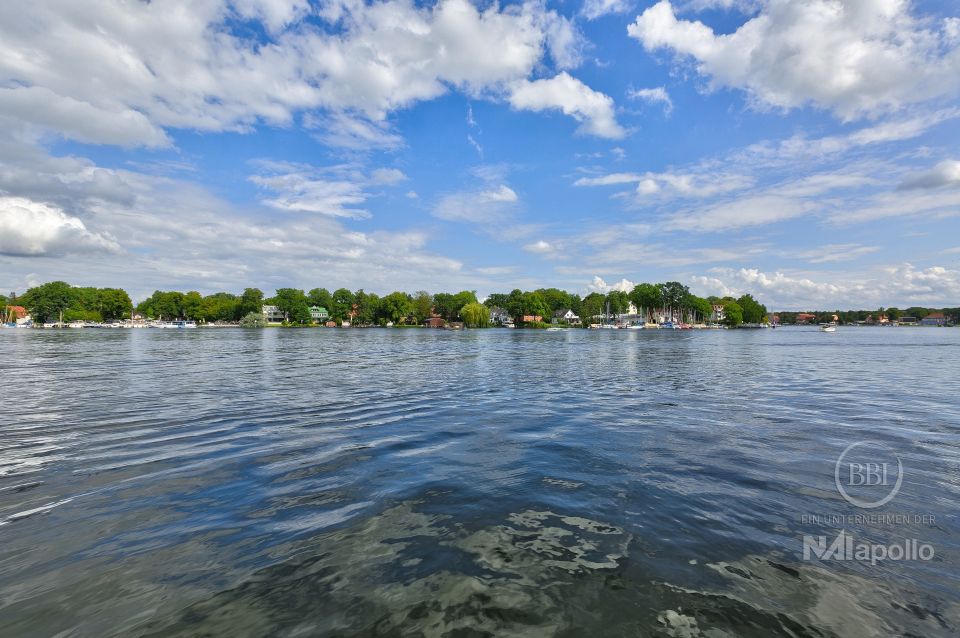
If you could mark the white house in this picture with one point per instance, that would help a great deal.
(272, 314)
(319, 313)
(718, 314)
(565, 315)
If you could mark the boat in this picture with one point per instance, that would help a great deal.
(828, 327)
(176, 324)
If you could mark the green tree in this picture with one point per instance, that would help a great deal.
(700, 307)
(191, 305)
(253, 320)
(320, 297)
(365, 305)
(47, 301)
(647, 298)
(593, 306)
(114, 303)
(673, 294)
(341, 304)
(395, 307)
(753, 312)
(733, 313)
(250, 301)
(422, 305)
(497, 300)
(475, 315)
(619, 302)
(293, 303)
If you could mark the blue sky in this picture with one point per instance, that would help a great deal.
(805, 151)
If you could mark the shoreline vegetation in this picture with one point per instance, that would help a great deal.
(647, 305)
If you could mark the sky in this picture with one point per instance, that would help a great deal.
(806, 151)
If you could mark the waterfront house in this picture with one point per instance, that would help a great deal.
(434, 322)
(935, 319)
(499, 316)
(717, 313)
(272, 314)
(331, 324)
(805, 317)
(531, 318)
(319, 313)
(565, 315)
(907, 321)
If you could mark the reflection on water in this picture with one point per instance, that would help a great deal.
(486, 483)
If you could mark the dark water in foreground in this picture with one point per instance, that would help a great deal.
(487, 483)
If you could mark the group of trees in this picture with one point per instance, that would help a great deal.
(46, 303)
(220, 306)
(367, 308)
(670, 300)
(854, 316)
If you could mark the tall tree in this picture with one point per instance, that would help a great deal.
(115, 303)
(647, 298)
(342, 304)
(422, 304)
(395, 306)
(293, 303)
(47, 301)
(320, 297)
(250, 301)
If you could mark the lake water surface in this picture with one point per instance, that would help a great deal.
(485, 483)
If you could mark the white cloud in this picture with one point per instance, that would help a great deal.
(695, 184)
(334, 190)
(103, 61)
(902, 286)
(835, 253)
(592, 109)
(354, 132)
(35, 229)
(78, 120)
(855, 58)
(599, 285)
(540, 247)
(946, 173)
(754, 210)
(481, 206)
(656, 95)
(593, 9)
(387, 176)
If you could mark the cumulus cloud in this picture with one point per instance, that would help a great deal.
(592, 109)
(901, 285)
(36, 229)
(855, 58)
(601, 286)
(946, 173)
(115, 61)
(656, 95)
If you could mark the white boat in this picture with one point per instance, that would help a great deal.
(76, 325)
(830, 327)
(176, 324)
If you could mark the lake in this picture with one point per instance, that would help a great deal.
(481, 483)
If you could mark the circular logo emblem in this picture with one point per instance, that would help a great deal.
(868, 474)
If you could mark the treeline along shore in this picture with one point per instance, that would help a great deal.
(647, 304)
